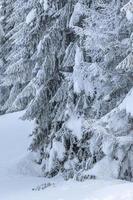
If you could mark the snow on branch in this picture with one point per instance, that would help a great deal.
(31, 16)
(128, 8)
(127, 62)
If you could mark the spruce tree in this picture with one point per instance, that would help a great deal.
(64, 62)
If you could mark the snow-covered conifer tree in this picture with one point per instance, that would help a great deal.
(90, 88)
(61, 64)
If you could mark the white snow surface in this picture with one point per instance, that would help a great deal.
(17, 184)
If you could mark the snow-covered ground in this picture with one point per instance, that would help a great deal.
(18, 175)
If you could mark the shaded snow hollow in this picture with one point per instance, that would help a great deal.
(14, 160)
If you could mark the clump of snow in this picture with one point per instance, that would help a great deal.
(75, 125)
(79, 10)
(70, 164)
(31, 16)
(1, 28)
(45, 4)
(129, 15)
(128, 8)
(84, 75)
(39, 47)
(1, 32)
(108, 145)
(128, 103)
(59, 149)
(105, 168)
(107, 97)
(77, 77)
(57, 152)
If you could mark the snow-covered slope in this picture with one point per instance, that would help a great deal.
(14, 141)
(14, 157)
(14, 136)
(89, 190)
(13, 186)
